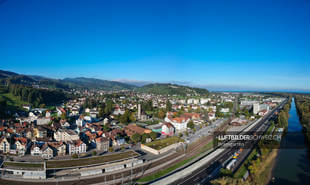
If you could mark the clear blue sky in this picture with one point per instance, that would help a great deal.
(248, 43)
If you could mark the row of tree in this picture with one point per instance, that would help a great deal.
(303, 111)
(136, 138)
(283, 115)
(3, 105)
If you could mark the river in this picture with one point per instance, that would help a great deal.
(292, 164)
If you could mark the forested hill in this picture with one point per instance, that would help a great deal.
(7, 77)
(94, 83)
(171, 89)
(6, 74)
(35, 96)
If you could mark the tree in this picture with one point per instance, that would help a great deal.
(186, 133)
(198, 110)
(63, 116)
(94, 153)
(190, 109)
(180, 135)
(218, 113)
(3, 106)
(125, 118)
(136, 138)
(191, 125)
(246, 113)
(161, 114)
(147, 106)
(101, 110)
(144, 137)
(132, 117)
(168, 105)
(108, 109)
(179, 113)
(182, 109)
(153, 135)
(111, 149)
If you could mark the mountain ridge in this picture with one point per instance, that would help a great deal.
(94, 83)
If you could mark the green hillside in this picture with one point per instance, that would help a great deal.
(171, 89)
(93, 83)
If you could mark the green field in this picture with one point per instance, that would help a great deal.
(90, 160)
(206, 147)
(165, 171)
(162, 143)
(12, 100)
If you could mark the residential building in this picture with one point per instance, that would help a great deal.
(204, 100)
(4, 145)
(20, 145)
(132, 129)
(179, 123)
(224, 110)
(66, 135)
(40, 132)
(167, 129)
(102, 143)
(43, 121)
(36, 150)
(47, 151)
(211, 115)
(59, 148)
(76, 147)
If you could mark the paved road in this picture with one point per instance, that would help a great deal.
(205, 131)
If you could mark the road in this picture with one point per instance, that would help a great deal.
(211, 168)
(205, 131)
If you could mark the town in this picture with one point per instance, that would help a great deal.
(119, 124)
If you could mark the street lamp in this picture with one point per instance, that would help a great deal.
(131, 168)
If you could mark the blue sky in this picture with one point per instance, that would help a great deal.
(234, 43)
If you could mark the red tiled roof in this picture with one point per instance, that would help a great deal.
(101, 139)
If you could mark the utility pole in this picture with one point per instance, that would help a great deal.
(131, 167)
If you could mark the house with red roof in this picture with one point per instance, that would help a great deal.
(76, 147)
(102, 143)
(20, 145)
(167, 129)
(59, 148)
(179, 123)
(4, 145)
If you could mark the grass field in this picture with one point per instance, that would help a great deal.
(206, 147)
(12, 100)
(165, 171)
(90, 160)
(162, 143)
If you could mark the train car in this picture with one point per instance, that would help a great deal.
(133, 163)
(114, 168)
(231, 164)
(236, 154)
